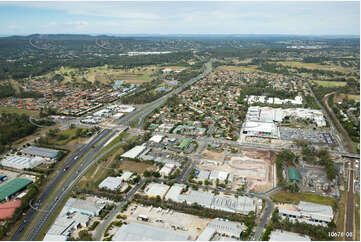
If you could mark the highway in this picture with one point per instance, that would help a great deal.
(71, 161)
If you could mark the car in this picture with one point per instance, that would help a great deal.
(66, 168)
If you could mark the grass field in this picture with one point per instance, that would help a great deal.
(315, 66)
(138, 167)
(32, 113)
(349, 96)
(287, 197)
(104, 74)
(70, 135)
(329, 83)
(237, 68)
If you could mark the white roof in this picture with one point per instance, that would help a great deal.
(54, 237)
(142, 232)
(227, 227)
(90, 205)
(21, 162)
(279, 235)
(174, 192)
(156, 138)
(201, 198)
(133, 153)
(111, 183)
(207, 234)
(203, 175)
(156, 189)
(126, 175)
(316, 211)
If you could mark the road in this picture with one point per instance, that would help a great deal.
(109, 218)
(71, 161)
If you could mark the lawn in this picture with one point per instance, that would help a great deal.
(315, 66)
(287, 197)
(349, 96)
(69, 135)
(32, 113)
(133, 166)
(237, 68)
(330, 83)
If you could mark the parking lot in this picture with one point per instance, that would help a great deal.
(9, 174)
(314, 136)
(169, 219)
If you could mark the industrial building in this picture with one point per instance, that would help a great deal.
(22, 162)
(12, 187)
(230, 228)
(156, 189)
(167, 169)
(220, 175)
(142, 232)
(8, 208)
(203, 175)
(75, 214)
(134, 152)
(279, 235)
(263, 121)
(263, 99)
(175, 191)
(242, 204)
(311, 213)
(111, 183)
(156, 138)
(42, 152)
(294, 175)
(126, 175)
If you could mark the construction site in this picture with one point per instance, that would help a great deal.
(252, 170)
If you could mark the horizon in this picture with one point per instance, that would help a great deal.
(181, 18)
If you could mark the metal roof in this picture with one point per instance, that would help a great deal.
(141, 232)
(207, 234)
(294, 174)
(134, 152)
(13, 187)
(279, 235)
(185, 143)
(38, 151)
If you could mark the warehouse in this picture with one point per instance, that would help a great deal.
(279, 235)
(156, 138)
(111, 183)
(167, 169)
(8, 208)
(294, 175)
(42, 152)
(21, 162)
(220, 175)
(230, 228)
(175, 191)
(12, 187)
(311, 213)
(126, 175)
(242, 204)
(207, 234)
(260, 129)
(89, 206)
(203, 175)
(142, 232)
(156, 189)
(134, 152)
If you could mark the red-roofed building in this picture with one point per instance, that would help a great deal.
(7, 209)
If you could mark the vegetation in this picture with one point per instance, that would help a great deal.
(13, 127)
(287, 197)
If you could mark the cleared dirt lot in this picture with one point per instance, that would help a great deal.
(213, 155)
(192, 225)
(138, 167)
(253, 166)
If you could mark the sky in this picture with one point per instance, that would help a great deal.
(169, 17)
